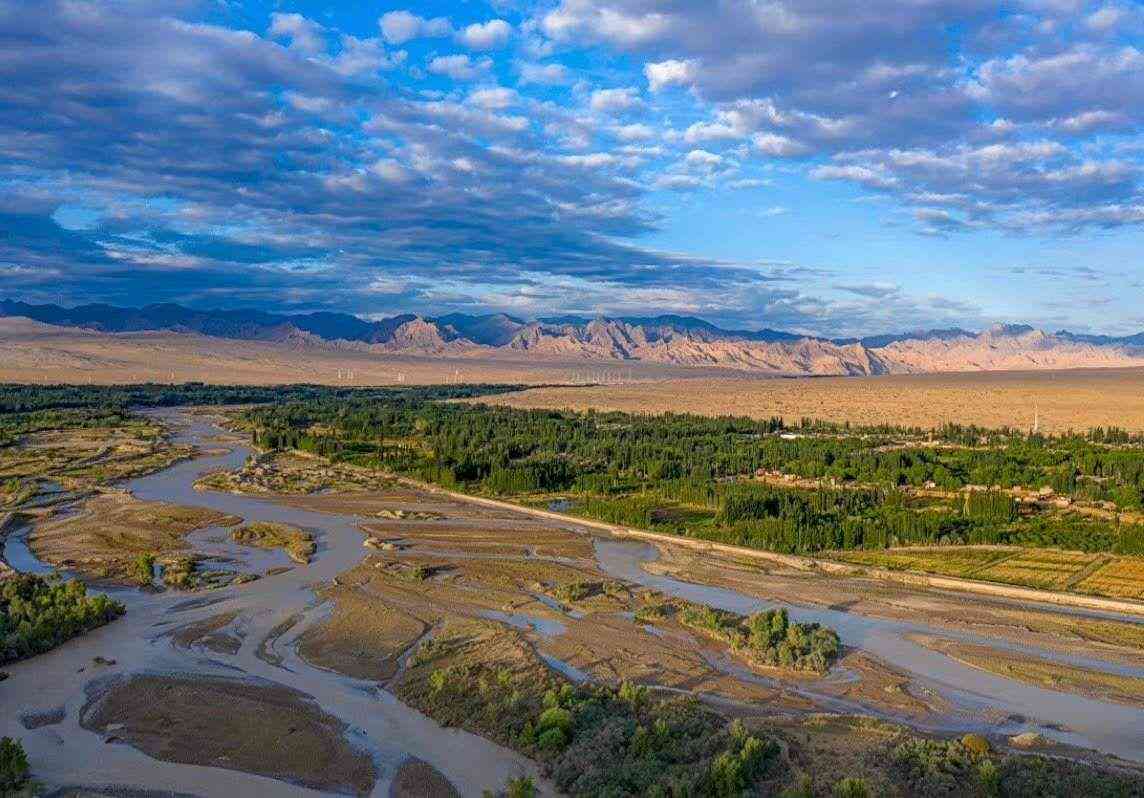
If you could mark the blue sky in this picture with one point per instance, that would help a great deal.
(819, 166)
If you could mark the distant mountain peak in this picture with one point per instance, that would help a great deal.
(664, 338)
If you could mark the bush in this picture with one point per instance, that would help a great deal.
(640, 744)
(522, 787)
(38, 614)
(850, 788)
(13, 765)
(935, 768)
(976, 744)
(144, 570)
(554, 718)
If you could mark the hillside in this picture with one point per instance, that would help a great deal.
(668, 340)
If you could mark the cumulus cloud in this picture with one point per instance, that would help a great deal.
(305, 35)
(459, 67)
(495, 98)
(399, 27)
(672, 72)
(703, 158)
(634, 132)
(312, 160)
(614, 100)
(485, 35)
(778, 145)
(545, 74)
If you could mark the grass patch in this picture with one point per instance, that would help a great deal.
(299, 545)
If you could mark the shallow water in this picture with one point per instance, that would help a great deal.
(19, 556)
(1109, 727)
(543, 626)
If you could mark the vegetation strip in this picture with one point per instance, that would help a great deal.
(38, 614)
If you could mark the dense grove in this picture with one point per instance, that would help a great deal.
(966, 768)
(677, 473)
(595, 740)
(689, 474)
(18, 398)
(768, 637)
(38, 614)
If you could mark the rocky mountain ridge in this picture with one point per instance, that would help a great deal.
(667, 339)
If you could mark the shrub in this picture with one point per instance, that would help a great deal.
(934, 767)
(990, 778)
(38, 614)
(554, 718)
(551, 740)
(850, 788)
(144, 570)
(522, 787)
(976, 744)
(13, 765)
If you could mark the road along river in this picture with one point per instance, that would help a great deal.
(64, 753)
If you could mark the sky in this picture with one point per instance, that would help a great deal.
(819, 166)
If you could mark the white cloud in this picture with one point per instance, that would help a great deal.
(778, 146)
(485, 36)
(858, 174)
(634, 132)
(459, 67)
(582, 20)
(459, 117)
(1089, 121)
(703, 158)
(496, 98)
(1104, 19)
(669, 73)
(390, 171)
(305, 35)
(592, 160)
(748, 182)
(612, 100)
(399, 27)
(362, 56)
(545, 74)
(711, 131)
(676, 182)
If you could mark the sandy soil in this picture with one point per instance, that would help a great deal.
(86, 457)
(417, 779)
(361, 638)
(238, 725)
(1033, 670)
(106, 534)
(1066, 633)
(212, 633)
(378, 611)
(1062, 400)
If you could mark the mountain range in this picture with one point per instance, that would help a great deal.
(668, 339)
